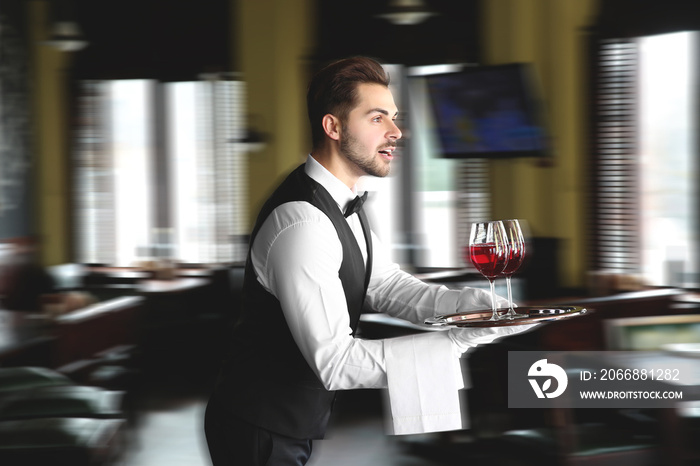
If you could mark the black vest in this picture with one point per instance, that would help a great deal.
(265, 379)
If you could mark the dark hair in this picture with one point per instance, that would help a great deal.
(334, 90)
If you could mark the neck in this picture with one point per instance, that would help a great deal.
(333, 161)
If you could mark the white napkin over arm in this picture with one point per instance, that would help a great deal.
(424, 376)
(423, 381)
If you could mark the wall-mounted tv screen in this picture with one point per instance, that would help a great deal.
(488, 111)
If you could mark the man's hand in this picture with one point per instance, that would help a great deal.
(465, 338)
(474, 299)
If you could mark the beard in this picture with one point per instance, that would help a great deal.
(359, 155)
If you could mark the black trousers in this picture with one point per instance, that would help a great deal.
(233, 442)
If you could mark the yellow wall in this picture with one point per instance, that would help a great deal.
(551, 35)
(50, 148)
(275, 38)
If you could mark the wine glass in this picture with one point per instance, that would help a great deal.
(516, 255)
(488, 252)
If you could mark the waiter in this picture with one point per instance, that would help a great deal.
(313, 264)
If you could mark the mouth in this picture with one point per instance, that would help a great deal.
(387, 152)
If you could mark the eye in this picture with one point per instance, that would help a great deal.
(377, 119)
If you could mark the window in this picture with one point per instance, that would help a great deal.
(645, 220)
(450, 194)
(667, 123)
(208, 175)
(159, 172)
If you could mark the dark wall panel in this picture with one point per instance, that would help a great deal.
(16, 206)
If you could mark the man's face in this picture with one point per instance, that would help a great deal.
(369, 133)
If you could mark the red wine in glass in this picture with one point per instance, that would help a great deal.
(515, 259)
(488, 252)
(487, 259)
(516, 255)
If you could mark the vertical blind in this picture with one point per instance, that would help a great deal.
(615, 157)
(204, 161)
(473, 199)
(94, 183)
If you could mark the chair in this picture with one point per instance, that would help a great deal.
(61, 441)
(16, 379)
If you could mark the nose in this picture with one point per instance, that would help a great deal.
(394, 131)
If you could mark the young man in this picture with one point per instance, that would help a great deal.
(313, 264)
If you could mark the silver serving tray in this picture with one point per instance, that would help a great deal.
(524, 315)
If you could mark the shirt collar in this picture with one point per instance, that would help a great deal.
(340, 193)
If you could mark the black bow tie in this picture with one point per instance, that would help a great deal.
(355, 205)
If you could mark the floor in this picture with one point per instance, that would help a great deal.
(167, 430)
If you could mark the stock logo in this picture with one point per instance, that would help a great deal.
(544, 371)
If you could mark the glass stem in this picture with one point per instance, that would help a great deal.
(511, 311)
(510, 293)
(494, 314)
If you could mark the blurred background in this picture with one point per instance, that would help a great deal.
(139, 138)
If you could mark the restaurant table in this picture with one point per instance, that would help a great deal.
(175, 328)
(135, 274)
(171, 302)
(171, 287)
(109, 282)
(114, 276)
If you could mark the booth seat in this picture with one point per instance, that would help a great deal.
(99, 344)
(45, 418)
(62, 401)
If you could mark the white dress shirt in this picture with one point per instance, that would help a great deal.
(297, 254)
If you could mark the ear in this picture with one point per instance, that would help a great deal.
(331, 126)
